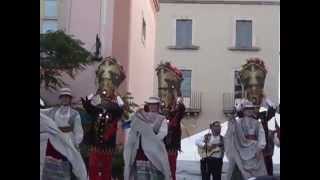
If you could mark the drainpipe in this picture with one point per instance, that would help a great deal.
(69, 19)
(102, 23)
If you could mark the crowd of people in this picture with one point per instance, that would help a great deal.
(148, 152)
(145, 153)
(154, 140)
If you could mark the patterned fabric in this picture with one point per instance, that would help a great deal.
(55, 169)
(151, 143)
(173, 139)
(146, 171)
(172, 156)
(242, 153)
(100, 165)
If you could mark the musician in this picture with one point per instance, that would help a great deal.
(212, 147)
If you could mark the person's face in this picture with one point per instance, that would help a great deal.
(216, 129)
(154, 107)
(65, 100)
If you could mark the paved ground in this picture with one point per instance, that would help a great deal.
(190, 170)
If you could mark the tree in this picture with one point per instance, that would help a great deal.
(60, 53)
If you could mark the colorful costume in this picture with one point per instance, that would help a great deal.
(102, 138)
(169, 82)
(252, 76)
(173, 139)
(106, 110)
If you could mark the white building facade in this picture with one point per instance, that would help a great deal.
(209, 40)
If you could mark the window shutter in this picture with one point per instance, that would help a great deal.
(51, 9)
(183, 33)
(244, 34)
(186, 83)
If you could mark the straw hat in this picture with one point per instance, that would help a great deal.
(153, 100)
(65, 91)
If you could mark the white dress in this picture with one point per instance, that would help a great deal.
(58, 139)
(241, 151)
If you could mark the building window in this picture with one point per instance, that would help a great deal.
(186, 83)
(50, 21)
(144, 28)
(184, 33)
(49, 26)
(244, 34)
(50, 9)
(238, 90)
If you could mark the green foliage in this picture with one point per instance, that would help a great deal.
(60, 53)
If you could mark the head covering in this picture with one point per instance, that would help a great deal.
(242, 104)
(65, 91)
(179, 100)
(263, 109)
(248, 105)
(214, 123)
(153, 100)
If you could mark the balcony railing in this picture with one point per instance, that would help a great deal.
(228, 102)
(193, 103)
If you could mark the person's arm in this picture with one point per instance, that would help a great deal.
(92, 110)
(200, 142)
(163, 131)
(77, 130)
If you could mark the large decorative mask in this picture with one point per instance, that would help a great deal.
(169, 82)
(252, 76)
(109, 75)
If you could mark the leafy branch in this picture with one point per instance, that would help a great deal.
(60, 53)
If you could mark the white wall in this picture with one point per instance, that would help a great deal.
(213, 64)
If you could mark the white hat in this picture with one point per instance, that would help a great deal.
(65, 91)
(153, 100)
(263, 109)
(179, 100)
(245, 104)
(248, 104)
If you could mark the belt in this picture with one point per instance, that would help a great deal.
(66, 129)
(102, 150)
(251, 137)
